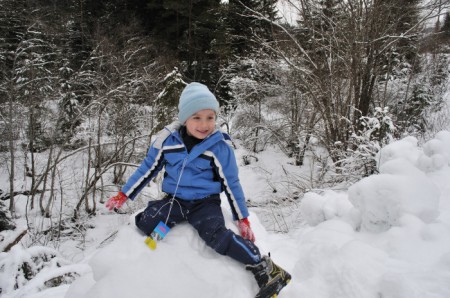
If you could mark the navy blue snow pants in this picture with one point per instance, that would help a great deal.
(206, 217)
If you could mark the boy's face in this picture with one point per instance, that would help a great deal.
(201, 124)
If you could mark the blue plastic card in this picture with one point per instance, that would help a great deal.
(157, 234)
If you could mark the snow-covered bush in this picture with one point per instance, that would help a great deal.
(375, 132)
(401, 188)
(436, 152)
(317, 208)
(24, 271)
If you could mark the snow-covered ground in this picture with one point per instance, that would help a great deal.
(387, 236)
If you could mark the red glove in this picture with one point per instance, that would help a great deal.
(116, 201)
(246, 230)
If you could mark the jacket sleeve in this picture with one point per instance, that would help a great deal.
(229, 174)
(148, 169)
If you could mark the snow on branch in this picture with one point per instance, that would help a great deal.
(24, 271)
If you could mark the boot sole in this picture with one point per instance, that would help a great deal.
(272, 290)
(276, 295)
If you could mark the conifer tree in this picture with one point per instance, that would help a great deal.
(446, 26)
(12, 31)
(167, 101)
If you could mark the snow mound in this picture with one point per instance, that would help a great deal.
(317, 208)
(402, 187)
(399, 189)
(181, 266)
(388, 236)
(408, 185)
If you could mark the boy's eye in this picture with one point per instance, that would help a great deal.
(209, 118)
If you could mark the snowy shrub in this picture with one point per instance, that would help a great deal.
(404, 149)
(439, 146)
(375, 132)
(421, 108)
(436, 153)
(34, 269)
(316, 208)
(401, 188)
(312, 208)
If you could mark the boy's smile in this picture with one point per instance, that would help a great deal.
(201, 124)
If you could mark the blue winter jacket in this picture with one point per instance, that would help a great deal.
(208, 169)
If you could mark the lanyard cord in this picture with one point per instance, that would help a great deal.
(175, 192)
(173, 198)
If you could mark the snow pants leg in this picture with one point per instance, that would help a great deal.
(207, 218)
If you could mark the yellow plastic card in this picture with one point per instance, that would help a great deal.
(157, 234)
(150, 243)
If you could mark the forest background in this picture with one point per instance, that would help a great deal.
(100, 78)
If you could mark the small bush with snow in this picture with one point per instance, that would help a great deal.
(24, 271)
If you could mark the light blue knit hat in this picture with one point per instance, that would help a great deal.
(195, 97)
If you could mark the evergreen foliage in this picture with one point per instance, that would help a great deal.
(5, 221)
(168, 99)
(446, 26)
(376, 132)
(12, 29)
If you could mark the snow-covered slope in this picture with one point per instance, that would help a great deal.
(388, 236)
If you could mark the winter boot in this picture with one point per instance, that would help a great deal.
(270, 277)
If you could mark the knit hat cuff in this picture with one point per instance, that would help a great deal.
(196, 97)
(195, 105)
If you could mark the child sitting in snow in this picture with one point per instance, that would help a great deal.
(199, 164)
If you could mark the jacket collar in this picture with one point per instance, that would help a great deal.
(215, 137)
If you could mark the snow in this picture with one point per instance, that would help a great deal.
(387, 236)
(288, 12)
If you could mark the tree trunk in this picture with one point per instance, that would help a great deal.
(12, 176)
(33, 166)
(44, 180)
